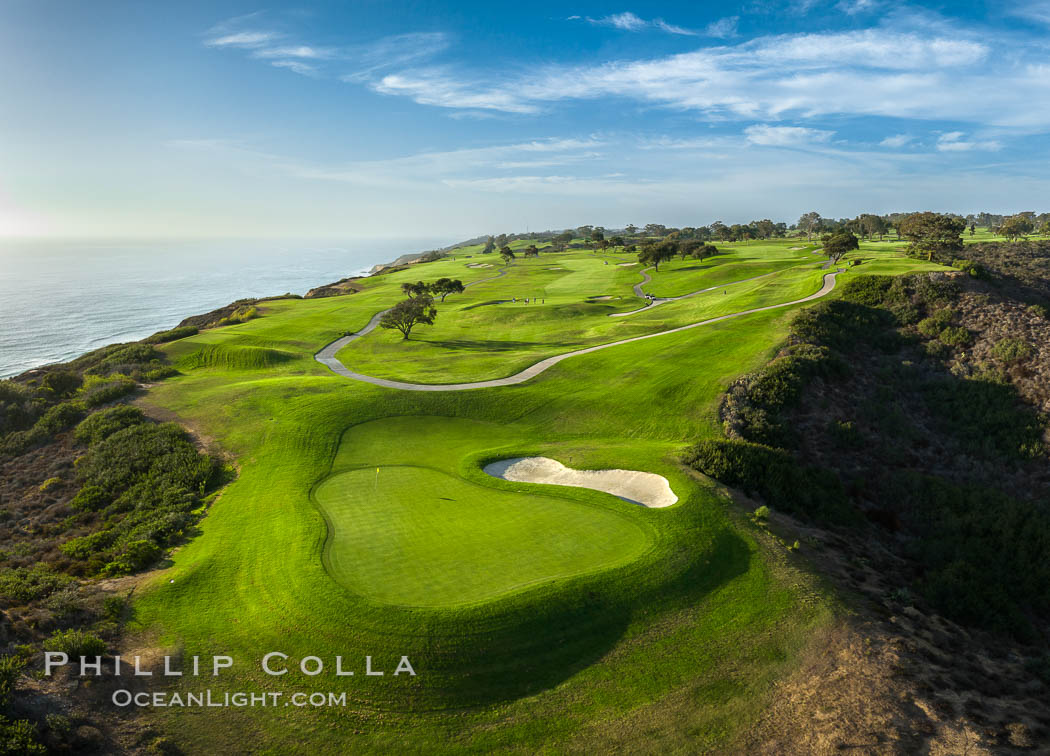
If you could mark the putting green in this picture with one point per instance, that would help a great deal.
(416, 536)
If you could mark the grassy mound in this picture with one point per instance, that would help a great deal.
(232, 357)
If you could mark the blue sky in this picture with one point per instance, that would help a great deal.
(429, 118)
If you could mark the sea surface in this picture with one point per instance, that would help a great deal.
(61, 299)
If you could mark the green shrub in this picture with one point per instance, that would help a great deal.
(18, 736)
(10, 670)
(113, 607)
(846, 434)
(1012, 350)
(160, 373)
(98, 390)
(90, 499)
(61, 383)
(937, 322)
(162, 337)
(25, 584)
(124, 358)
(240, 315)
(955, 336)
(56, 419)
(19, 407)
(775, 476)
(75, 643)
(48, 484)
(136, 556)
(762, 513)
(103, 424)
(85, 546)
(867, 290)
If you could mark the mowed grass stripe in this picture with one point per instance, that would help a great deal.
(414, 536)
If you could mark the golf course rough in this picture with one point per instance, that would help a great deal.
(537, 618)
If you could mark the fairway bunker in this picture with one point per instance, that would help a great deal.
(647, 489)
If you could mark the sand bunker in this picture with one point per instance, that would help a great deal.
(599, 299)
(647, 489)
(478, 265)
(796, 247)
(625, 265)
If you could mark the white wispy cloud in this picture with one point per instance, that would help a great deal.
(1038, 11)
(364, 61)
(246, 39)
(295, 51)
(953, 141)
(442, 88)
(896, 141)
(724, 28)
(785, 136)
(853, 7)
(631, 22)
(873, 72)
(393, 52)
(303, 69)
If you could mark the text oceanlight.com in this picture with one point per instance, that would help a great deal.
(208, 698)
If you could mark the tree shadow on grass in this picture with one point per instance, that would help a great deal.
(558, 638)
(478, 345)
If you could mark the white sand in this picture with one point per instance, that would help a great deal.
(478, 265)
(599, 299)
(625, 265)
(796, 247)
(647, 489)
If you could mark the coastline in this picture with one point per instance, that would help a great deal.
(125, 297)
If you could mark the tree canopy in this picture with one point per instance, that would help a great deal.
(408, 313)
(445, 286)
(932, 234)
(839, 243)
(655, 253)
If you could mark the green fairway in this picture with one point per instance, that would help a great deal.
(538, 618)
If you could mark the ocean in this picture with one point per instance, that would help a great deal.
(59, 299)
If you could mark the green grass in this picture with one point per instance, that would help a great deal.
(538, 618)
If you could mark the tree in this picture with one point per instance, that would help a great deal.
(656, 252)
(584, 232)
(408, 313)
(764, 228)
(630, 229)
(563, 238)
(810, 223)
(507, 254)
(490, 245)
(839, 243)
(1045, 228)
(446, 286)
(415, 289)
(933, 234)
(871, 225)
(655, 229)
(688, 248)
(617, 241)
(1016, 226)
(531, 251)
